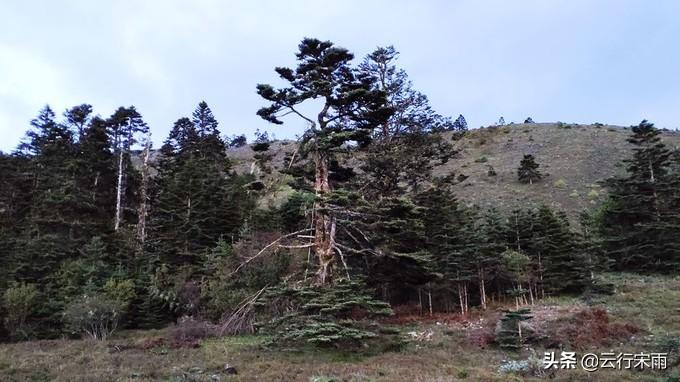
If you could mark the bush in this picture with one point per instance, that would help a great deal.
(97, 316)
(593, 194)
(336, 315)
(560, 183)
(122, 291)
(530, 367)
(19, 302)
(587, 329)
(189, 331)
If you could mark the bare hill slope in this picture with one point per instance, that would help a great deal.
(574, 158)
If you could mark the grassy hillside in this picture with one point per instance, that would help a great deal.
(575, 159)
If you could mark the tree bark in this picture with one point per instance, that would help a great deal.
(144, 189)
(119, 191)
(324, 224)
(482, 290)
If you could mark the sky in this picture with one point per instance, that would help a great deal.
(584, 61)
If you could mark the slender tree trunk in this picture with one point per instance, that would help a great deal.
(142, 212)
(656, 199)
(94, 187)
(324, 225)
(465, 292)
(119, 191)
(519, 330)
(482, 290)
(519, 248)
(540, 276)
(429, 299)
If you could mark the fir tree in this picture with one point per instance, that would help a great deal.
(639, 224)
(528, 170)
(460, 124)
(193, 205)
(78, 117)
(510, 334)
(125, 128)
(352, 109)
(404, 152)
(560, 266)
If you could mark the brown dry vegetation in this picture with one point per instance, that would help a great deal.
(441, 348)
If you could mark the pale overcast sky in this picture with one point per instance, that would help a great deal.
(586, 61)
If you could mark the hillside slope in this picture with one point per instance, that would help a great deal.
(574, 158)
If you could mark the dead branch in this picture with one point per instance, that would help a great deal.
(342, 258)
(309, 245)
(238, 320)
(263, 250)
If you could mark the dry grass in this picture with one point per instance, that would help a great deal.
(450, 353)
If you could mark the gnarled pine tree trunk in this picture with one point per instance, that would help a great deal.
(324, 223)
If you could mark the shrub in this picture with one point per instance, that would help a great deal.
(530, 367)
(587, 329)
(560, 183)
(189, 331)
(122, 291)
(97, 316)
(322, 315)
(510, 333)
(19, 302)
(592, 194)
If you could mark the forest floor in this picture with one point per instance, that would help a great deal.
(440, 348)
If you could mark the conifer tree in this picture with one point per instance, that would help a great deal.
(96, 178)
(460, 124)
(560, 266)
(351, 109)
(192, 207)
(412, 112)
(490, 242)
(403, 154)
(639, 223)
(78, 117)
(125, 127)
(51, 150)
(528, 170)
(448, 240)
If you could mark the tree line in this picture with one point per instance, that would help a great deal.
(99, 230)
